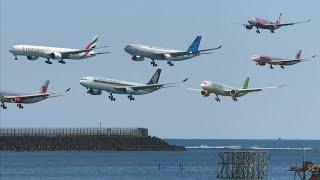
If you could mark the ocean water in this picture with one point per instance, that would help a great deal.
(198, 162)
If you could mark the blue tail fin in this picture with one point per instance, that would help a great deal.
(155, 77)
(195, 44)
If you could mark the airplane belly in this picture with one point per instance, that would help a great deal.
(33, 100)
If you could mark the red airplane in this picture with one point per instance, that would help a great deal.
(264, 24)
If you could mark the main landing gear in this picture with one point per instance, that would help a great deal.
(258, 31)
(153, 63)
(61, 61)
(20, 106)
(271, 67)
(111, 97)
(130, 97)
(234, 99)
(272, 31)
(170, 63)
(3, 106)
(217, 98)
(48, 61)
(282, 66)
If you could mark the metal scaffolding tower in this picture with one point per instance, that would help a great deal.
(243, 165)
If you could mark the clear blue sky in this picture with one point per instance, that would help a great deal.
(290, 112)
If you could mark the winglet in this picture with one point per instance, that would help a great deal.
(186, 79)
(67, 90)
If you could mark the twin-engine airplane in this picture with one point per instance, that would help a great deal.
(96, 85)
(272, 26)
(139, 52)
(19, 99)
(56, 53)
(263, 60)
(209, 87)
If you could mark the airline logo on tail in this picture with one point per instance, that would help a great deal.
(155, 77)
(91, 45)
(298, 54)
(246, 83)
(43, 89)
(195, 44)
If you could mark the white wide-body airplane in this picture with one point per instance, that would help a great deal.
(19, 98)
(209, 87)
(96, 85)
(262, 60)
(139, 52)
(34, 52)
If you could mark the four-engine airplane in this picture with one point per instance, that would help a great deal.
(139, 52)
(19, 99)
(209, 87)
(96, 85)
(272, 26)
(34, 52)
(263, 60)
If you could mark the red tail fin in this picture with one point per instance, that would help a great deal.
(43, 89)
(298, 54)
(279, 19)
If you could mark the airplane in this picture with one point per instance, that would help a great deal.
(272, 26)
(139, 52)
(209, 87)
(96, 85)
(263, 60)
(34, 52)
(19, 99)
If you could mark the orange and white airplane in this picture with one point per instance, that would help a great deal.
(263, 60)
(19, 99)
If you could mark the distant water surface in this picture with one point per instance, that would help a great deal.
(198, 162)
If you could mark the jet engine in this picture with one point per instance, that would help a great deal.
(32, 58)
(94, 92)
(128, 90)
(167, 56)
(233, 92)
(204, 93)
(248, 26)
(137, 58)
(55, 55)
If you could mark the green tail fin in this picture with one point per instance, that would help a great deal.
(246, 83)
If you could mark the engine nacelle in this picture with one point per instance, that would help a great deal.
(137, 58)
(129, 90)
(167, 56)
(55, 55)
(17, 100)
(261, 63)
(32, 58)
(247, 26)
(204, 93)
(94, 92)
(233, 92)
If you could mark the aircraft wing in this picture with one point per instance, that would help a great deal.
(278, 62)
(254, 89)
(183, 53)
(66, 53)
(289, 24)
(23, 97)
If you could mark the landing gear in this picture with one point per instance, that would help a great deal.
(170, 63)
(15, 58)
(3, 106)
(271, 67)
(111, 97)
(48, 61)
(130, 97)
(234, 99)
(272, 31)
(153, 63)
(62, 61)
(258, 31)
(217, 98)
(20, 106)
(282, 66)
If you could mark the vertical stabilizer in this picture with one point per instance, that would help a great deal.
(195, 44)
(155, 77)
(44, 88)
(279, 19)
(298, 54)
(246, 83)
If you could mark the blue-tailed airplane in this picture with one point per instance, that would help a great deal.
(139, 52)
(96, 85)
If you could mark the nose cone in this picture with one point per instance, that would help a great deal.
(204, 84)
(84, 81)
(12, 49)
(128, 49)
(252, 20)
(255, 58)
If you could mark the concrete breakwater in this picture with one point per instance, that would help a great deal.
(81, 139)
